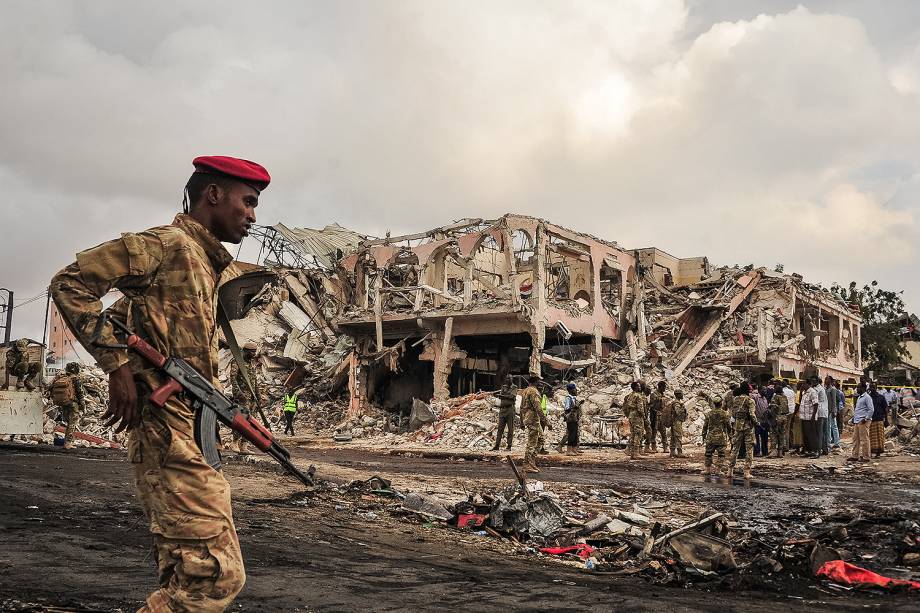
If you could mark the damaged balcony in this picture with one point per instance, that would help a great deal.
(466, 304)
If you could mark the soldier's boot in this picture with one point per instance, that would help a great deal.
(531, 468)
(673, 453)
(569, 450)
(707, 469)
(747, 472)
(495, 447)
(577, 450)
(730, 471)
(633, 454)
(28, 384)
(559, 447)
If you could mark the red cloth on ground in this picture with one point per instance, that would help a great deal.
(583, 550)
(848, 574)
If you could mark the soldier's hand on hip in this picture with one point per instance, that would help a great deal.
(122, 409)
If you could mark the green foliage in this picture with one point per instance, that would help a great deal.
(778, 268)
(880, 310)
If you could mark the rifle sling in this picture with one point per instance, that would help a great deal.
(224, 322)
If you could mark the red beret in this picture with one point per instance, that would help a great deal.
(247, 172)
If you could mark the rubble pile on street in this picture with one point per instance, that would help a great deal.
(668, 542)
(470, 421)
(906, 427)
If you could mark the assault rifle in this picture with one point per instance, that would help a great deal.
(210, 404)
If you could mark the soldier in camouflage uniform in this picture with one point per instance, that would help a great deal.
(656, 405)
(532, 420)
(779, 409)
(242, 394)
(634, 410)
(18, 365)
(646, 418)
(67, 393)
(169, 276)
(678, 415)
(745, 418)
(715, 434)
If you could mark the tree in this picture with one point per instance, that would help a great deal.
(778, 268)
(880, 310)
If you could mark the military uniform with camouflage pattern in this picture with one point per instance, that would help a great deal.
(169, 276)
(68, 394)
(745, 418)
(779, 408)
(19, 366)
(634, 410)
(716, 428)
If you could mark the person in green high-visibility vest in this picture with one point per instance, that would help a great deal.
(290, 409)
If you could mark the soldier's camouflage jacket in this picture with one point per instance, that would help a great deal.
(634, 406)
(169, 276)
(779, 407)
(716, 427)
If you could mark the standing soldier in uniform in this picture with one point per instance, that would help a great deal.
(656, 403)
(532, 419)
(745, 418)
(646, 419)
(715, 434)
(634, 410)
(779, 409)
(67, 393)
(678, 417)
(169, 276)
(506, 397)
(242, 395)
(290, 409)
(19, 365)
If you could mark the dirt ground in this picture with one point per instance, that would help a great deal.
(74, 538)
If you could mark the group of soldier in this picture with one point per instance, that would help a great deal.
(728, 427)
(654, 414)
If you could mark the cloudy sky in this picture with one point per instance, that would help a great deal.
(751, 132)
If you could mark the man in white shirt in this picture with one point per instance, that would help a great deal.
(808, 409)
(821, 416)
(790, 395)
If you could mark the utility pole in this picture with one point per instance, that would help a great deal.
(6, 309)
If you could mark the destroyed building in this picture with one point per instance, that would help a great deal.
(453, 310)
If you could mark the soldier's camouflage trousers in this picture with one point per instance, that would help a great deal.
(71, 412)
(779, 431)
(188, 505)
(742, 436)
(662, 433)
(677, 436)
(717, 449)
(636, 435)
(25, 372)
(534, 434)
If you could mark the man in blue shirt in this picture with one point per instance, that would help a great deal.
(862, 417)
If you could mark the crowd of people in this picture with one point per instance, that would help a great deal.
(748, 421)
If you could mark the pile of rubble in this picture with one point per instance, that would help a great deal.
(470, 421)
(669, 542)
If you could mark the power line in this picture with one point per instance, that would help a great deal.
(39, 295)
(31, 300)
